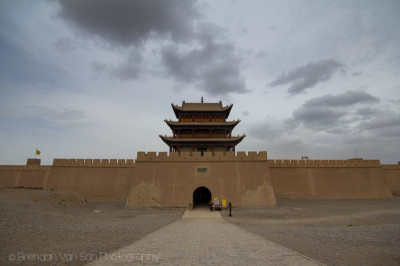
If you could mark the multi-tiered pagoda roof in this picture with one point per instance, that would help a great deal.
(202, 127)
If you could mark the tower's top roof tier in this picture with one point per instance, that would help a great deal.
(201, 107)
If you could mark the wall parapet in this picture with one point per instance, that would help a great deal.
(25, 167)
(197, 156)
(391, 166)
(121, 163)
(324, 163)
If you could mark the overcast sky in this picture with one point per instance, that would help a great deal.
(96, 78)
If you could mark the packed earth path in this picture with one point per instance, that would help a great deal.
(205, 238)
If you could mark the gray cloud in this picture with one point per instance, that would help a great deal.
(126, 23)
(307, 76)
(316, 118)
(331, 113)
(384, 124)
(214, 68)
(66, 117)
(267, 130)
(131, 68)
(346, 99)
(366, 112)
(192, 55)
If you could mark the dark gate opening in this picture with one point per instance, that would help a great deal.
(201, 197)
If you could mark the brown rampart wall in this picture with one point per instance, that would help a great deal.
(324, 163)
(27, 176)
(207, 156)
(329, 179)
(392, 174)
(108, 179)
(163, 179)
(170, 180)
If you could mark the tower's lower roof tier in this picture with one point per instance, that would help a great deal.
(172, 140)
(215, 125)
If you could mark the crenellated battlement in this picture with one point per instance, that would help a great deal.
(25, 167)
(391, 166)
(207, 156)
(94, 162)
(324, 163)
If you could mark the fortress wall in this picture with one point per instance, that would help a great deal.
(170, 180)
(246, 179)
(27, 176)
(104, 179)
(328, 179)
(392, 175)
(207, 156)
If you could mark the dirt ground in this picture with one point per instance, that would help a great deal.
(61, 228)
(64, 229)
(334, 232)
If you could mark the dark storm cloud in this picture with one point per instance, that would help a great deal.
(214, 68)
(210, 65)
(346, 99)
(307, 76)
(126, 22)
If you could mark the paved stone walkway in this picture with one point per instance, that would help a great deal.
(204, 237)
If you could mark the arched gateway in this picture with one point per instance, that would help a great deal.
(201, 197)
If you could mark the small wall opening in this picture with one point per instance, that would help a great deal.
(201, 197)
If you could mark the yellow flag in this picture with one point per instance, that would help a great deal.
(37, 152)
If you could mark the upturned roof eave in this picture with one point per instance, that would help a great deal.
(177, 109)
